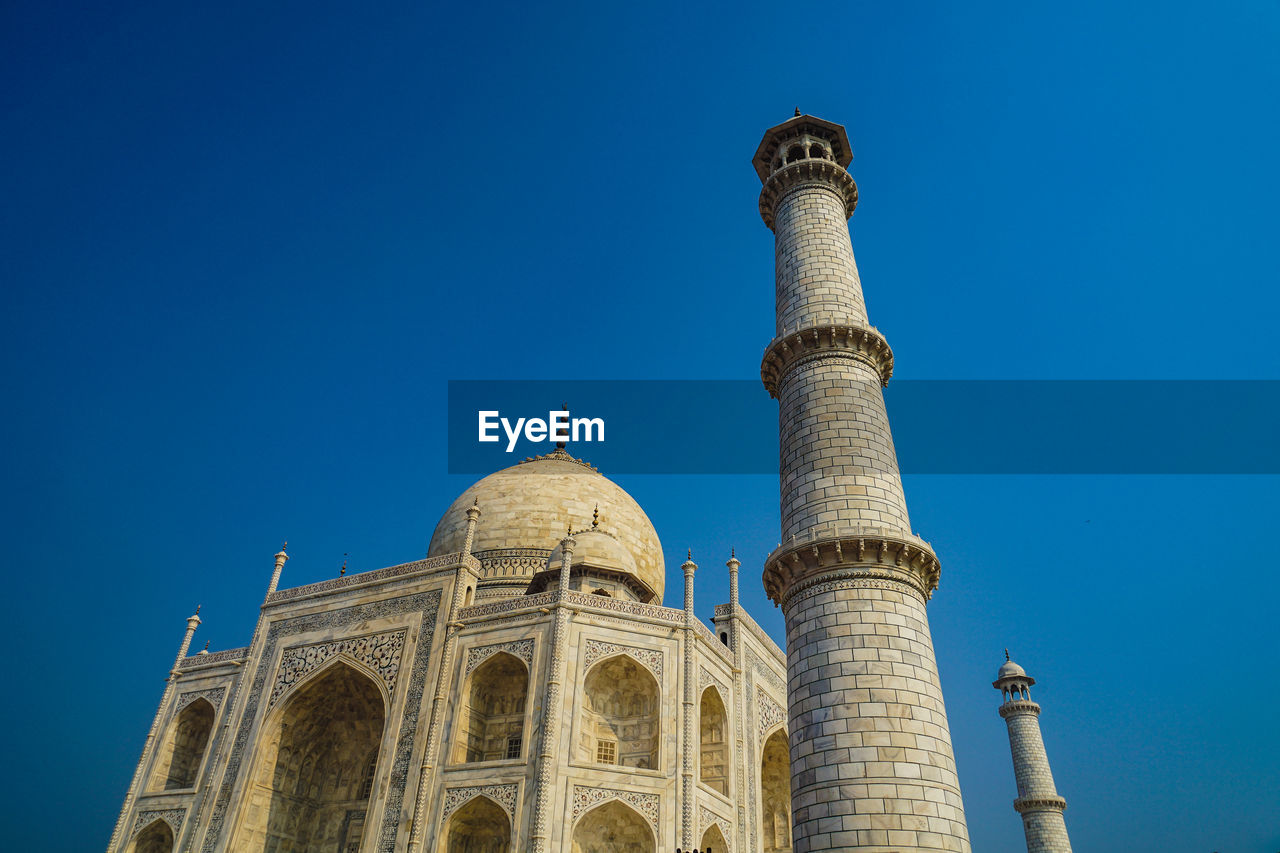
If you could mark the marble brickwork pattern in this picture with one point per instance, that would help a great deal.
(866, 704)
(871, 759)
(1038, 800)
(813, 256)
(838, 461)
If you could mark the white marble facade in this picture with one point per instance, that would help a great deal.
(407, 708)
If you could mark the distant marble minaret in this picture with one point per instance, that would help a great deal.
(871, 761)
(1038, 801)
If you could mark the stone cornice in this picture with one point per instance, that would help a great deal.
(871, 554)
(1019, 706)
(865, 344)
(430, 564)
(1039, 804)
(213, 658)
(823, 173)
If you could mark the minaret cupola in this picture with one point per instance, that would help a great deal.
(1012, 681)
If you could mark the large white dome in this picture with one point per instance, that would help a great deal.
(525, 512)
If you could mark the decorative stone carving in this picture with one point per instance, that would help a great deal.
(503, 795)
(706, 817)
(585, 799)
(379, 652)
(213, 696)
(825, 340)
(214, 657)
(444, 561)
(768, 712)
(512, 562)
(173, 817)
(650, 659)
(524, 602)
(763, 672)
(713, 643)
(587, 601)
(522, 649)
(426, 603)
(705, 678)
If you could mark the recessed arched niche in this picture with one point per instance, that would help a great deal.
(613, 827)
(713, 730)
(775, 794)
(490, 721)
(178, 760)
(156, 838)
(480, 826)
(311, 783)
(620, 723)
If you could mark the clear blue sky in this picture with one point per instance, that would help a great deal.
(245, 246)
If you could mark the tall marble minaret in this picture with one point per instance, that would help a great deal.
(1038, 801)
(871, 760)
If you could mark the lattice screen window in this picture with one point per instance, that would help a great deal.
(513, 747)
(366, 786)
(607, 752)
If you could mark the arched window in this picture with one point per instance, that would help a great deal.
(816, 151)
(156, 838)
(713, 727)
(490, 723)
(307, 790)
(613, 828)
(179, 758)
(713, 841)
(794, 153)
(775, 794)
(370, 770)
(480, 826)
(620, 715)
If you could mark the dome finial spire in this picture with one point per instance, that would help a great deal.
(797, 112)
(1006, 654)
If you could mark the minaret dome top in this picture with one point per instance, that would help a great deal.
(801, 138)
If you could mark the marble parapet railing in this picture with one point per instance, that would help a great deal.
(430, 564)
(224, 656)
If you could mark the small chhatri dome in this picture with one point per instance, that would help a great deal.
(1009, 669)
(525, 507)
(597, 549)
(1010, 673)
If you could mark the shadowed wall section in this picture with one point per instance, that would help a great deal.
(311, 785)
(613, 828)
(183, 748)
(481, 826)
(156, 838)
